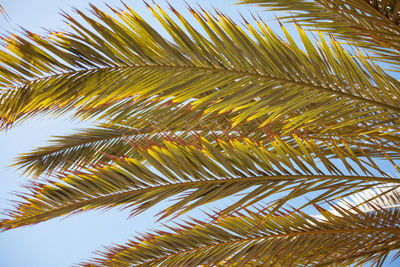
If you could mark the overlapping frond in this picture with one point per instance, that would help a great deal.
(387, 196)
(81, 149)
(207, 86)
(374, 25)
(231, 70)
(92, 146)
(248, 238)
(201, 173)
(197, 118)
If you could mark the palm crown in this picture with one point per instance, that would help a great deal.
(200, 117)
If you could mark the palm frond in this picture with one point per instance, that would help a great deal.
(81, 149)
(374, 25)
(143, 89)
(387, 196)
(201, 173)
(285, 239)
(89, 147)
(229, 71)
(197, 118)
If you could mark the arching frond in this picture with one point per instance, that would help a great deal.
(147, 92)
(199, 174)
(229, 71)
(291, 239)
(91, 146)
(81, 149)
(196, 118)
(374, 25)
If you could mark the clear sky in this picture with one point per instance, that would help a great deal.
(58, 243)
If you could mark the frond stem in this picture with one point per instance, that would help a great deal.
(285, 235)
(124, 194)
(238, 72)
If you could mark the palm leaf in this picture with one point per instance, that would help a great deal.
(199, 118)
(133, 63)
(89, 147)
(139, 91)
(386, 197)
(293, 238)
(374, 25)
(201, 173)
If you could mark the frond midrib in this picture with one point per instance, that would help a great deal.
(56, 150)
(93, 200)
(231, 71)
(293, 234)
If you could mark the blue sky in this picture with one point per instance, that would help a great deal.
(62, 242)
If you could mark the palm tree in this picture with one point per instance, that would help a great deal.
(201, 117)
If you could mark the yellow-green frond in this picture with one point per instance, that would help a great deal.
(92, 146)
(248, 238)
(201, 173)
(233, 69)
(374, 25)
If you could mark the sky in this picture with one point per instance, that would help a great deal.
(62, 242)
